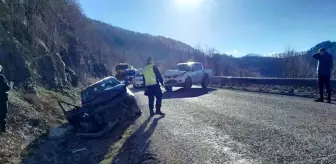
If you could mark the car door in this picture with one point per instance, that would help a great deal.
(193, 73)
(199, 74)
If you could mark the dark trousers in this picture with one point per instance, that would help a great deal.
(153, 92)
(324, 80)
(3, 114)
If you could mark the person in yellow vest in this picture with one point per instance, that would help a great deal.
(152, 80)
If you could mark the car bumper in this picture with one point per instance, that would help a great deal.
(138, 84)
(174, 82)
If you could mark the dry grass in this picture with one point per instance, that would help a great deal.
(116, 148)
(27, 122)
(90, 81)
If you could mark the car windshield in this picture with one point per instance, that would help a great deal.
(183, 67)
(122, 67)
(131, 72)
(99, 87)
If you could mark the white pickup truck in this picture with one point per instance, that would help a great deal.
(185, 75)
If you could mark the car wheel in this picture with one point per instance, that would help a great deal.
(205, 82)
(129, 100)
(188, 83)
(132, 104)
(135, 109)
(169, 88)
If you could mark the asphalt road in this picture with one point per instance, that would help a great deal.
(225, 126)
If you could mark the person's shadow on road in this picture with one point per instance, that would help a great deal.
(135, 149)
(187, 93)
(134, 90)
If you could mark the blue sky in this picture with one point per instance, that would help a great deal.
(236, 27)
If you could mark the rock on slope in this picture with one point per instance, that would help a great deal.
(40, 44)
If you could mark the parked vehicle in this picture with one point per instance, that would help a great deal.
(121, 70)
(104, 104)
(130, 75)
(138, 81)
(185, 75)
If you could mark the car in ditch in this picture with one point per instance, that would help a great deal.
(185, 75)
(103, 105)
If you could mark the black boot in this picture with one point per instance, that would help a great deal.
(151, 113)
(158, 111)
(319, 100)
(329, 98)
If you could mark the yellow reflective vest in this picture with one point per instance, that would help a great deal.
(149, 75)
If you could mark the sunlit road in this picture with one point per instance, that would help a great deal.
(223, 126)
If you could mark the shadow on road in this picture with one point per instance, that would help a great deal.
(137, 89)
(135, 149)
(187, 93)
(62, 150)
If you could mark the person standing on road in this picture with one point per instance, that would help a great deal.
(324, 70)
(4, 88)
(152, 80)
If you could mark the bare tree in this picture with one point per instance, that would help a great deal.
(295, 65)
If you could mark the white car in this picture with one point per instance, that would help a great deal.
(185, 75)
(138, 81)
(130, 74)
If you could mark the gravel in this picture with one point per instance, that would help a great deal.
(226, 126)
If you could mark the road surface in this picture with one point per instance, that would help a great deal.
(225, 126)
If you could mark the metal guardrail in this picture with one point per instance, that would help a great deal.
(293, 82)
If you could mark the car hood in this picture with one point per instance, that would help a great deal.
(106, 95)
(173, 72)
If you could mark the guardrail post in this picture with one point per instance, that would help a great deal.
(230, 83)
(292, 91)
(244, 86)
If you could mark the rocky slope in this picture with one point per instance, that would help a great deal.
(51, 43)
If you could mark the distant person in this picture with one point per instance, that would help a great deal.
(324, 70)
(4, 88)
(152, 78)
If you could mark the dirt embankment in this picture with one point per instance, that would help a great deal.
(29, 118)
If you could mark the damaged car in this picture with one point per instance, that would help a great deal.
(104, 104)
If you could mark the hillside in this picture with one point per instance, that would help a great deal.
(290, 64)
(51, 43)
(134, 47)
